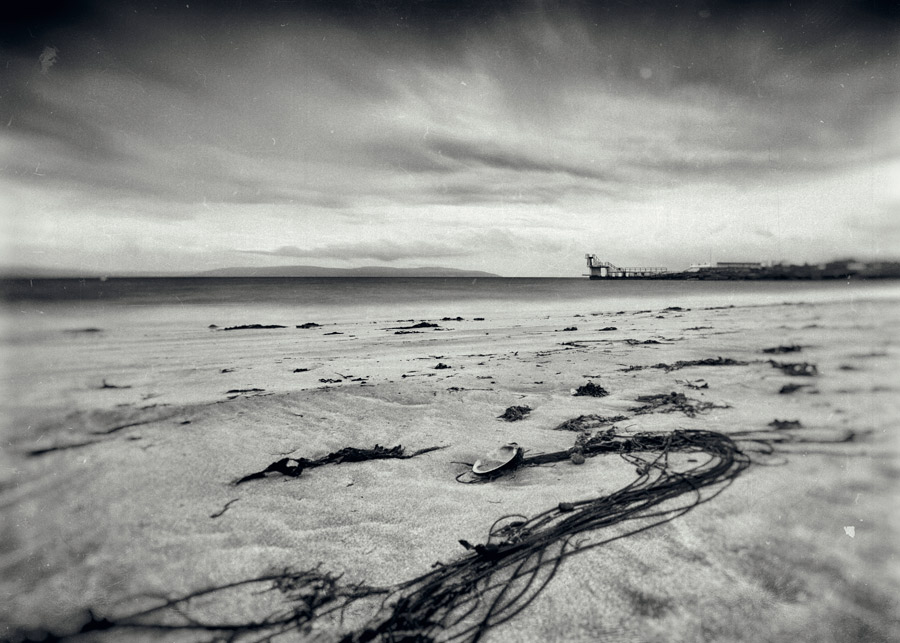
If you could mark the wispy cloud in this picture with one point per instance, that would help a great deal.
(384, 250)
(338, 126)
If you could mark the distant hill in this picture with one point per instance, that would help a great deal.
(366, 271)
(20, 272)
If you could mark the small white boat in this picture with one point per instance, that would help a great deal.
(505, 456)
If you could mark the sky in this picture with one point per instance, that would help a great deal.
(510, 137)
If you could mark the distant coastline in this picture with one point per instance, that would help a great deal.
(748, 271)
(250, 272)
(833, 270)
(365, 271)
(844, 269)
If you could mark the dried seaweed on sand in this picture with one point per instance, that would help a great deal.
(672, 402)
(493, 581)
(791, 348)
(797, 369)
(588, 422)
(709, 361)
(293, 467)
(592, 390)
(254, 327)
(514, 413)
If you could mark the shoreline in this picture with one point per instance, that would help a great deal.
(174, 416)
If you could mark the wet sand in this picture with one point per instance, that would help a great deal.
(121, 445)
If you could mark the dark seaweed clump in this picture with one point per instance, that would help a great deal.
(592, 390)
(781, 425)
(797, 369)
(514, 413)
(792, 348)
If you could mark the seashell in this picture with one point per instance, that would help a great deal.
(505, 456)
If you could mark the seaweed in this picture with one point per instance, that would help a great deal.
(709, 361)
(254, 327)
(423, 324)
(785, 424)
(106, 384)
(592, 390)
(696, 385)
(586, 422)
(796, 369)
(497, 579)
(61, 447)
(293, 467)
(672, 402)
(514, 413)
(787, 389)
(792, 348)
(221, 511)
(127, 425)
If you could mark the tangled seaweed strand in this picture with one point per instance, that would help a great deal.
(672, 402)
(588, 422)
(293, 467)
(495, 581)
(709, 361)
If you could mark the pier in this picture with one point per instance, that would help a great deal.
(605, 270)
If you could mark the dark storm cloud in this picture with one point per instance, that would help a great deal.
(389, 112)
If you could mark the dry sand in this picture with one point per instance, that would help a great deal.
(137, 501)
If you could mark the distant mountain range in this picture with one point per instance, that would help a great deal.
(269, 271)
(366, 271)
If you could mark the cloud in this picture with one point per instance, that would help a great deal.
(493, 155)
(384, 250)
(421, 122)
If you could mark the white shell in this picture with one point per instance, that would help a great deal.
(497, 460)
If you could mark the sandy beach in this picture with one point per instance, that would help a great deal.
(122, 443)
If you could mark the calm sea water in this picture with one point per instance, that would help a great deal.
(261, 300)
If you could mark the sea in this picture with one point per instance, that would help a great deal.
(298, 300)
